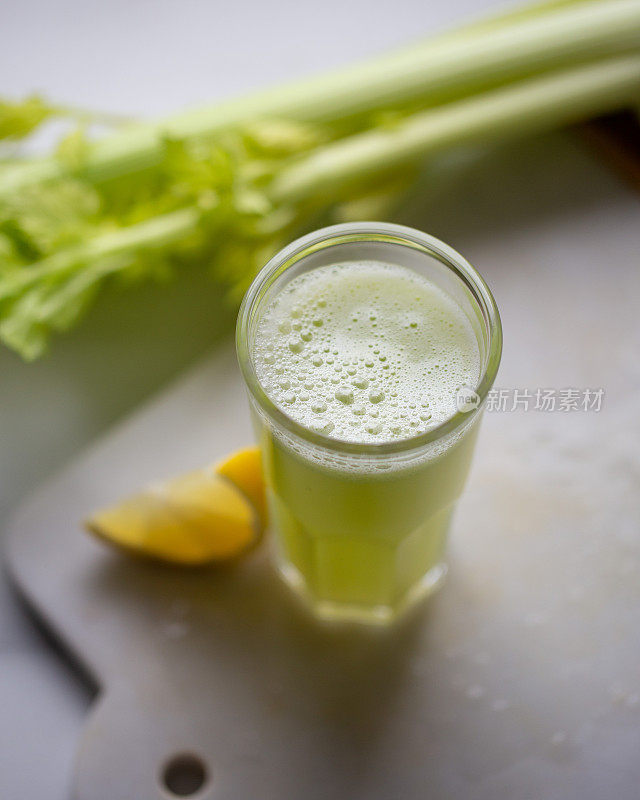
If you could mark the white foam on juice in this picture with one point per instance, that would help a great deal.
(365, 352)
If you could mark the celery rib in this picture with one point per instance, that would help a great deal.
(428, 74)
(529, 107)
(248, 174)
(532, 107)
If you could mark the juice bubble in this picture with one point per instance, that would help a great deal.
(344, 395)
(296, 345)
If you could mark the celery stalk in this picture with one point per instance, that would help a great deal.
(424, 75)
(228, 185)
(528, 107)
(534, 106)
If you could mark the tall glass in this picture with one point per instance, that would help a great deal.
(360, 528)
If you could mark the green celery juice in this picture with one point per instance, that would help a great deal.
(364, 352)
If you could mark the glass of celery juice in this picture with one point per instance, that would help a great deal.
(368, 350)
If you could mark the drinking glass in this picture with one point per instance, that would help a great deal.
(360, 528)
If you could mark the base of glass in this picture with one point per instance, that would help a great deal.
(331, 611)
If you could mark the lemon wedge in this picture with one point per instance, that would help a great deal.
(206, 516)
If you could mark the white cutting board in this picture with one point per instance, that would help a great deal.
(520, 680)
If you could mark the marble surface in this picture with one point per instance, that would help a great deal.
(518, 680)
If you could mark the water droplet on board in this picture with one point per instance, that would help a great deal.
(559, 737)
(617, 694)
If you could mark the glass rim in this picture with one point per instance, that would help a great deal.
(389, 233)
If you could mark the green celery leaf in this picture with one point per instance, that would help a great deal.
(18, 118)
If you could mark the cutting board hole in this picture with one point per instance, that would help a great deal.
(184, 775)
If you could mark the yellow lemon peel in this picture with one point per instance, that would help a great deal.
(244, 469)
(197, 518)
